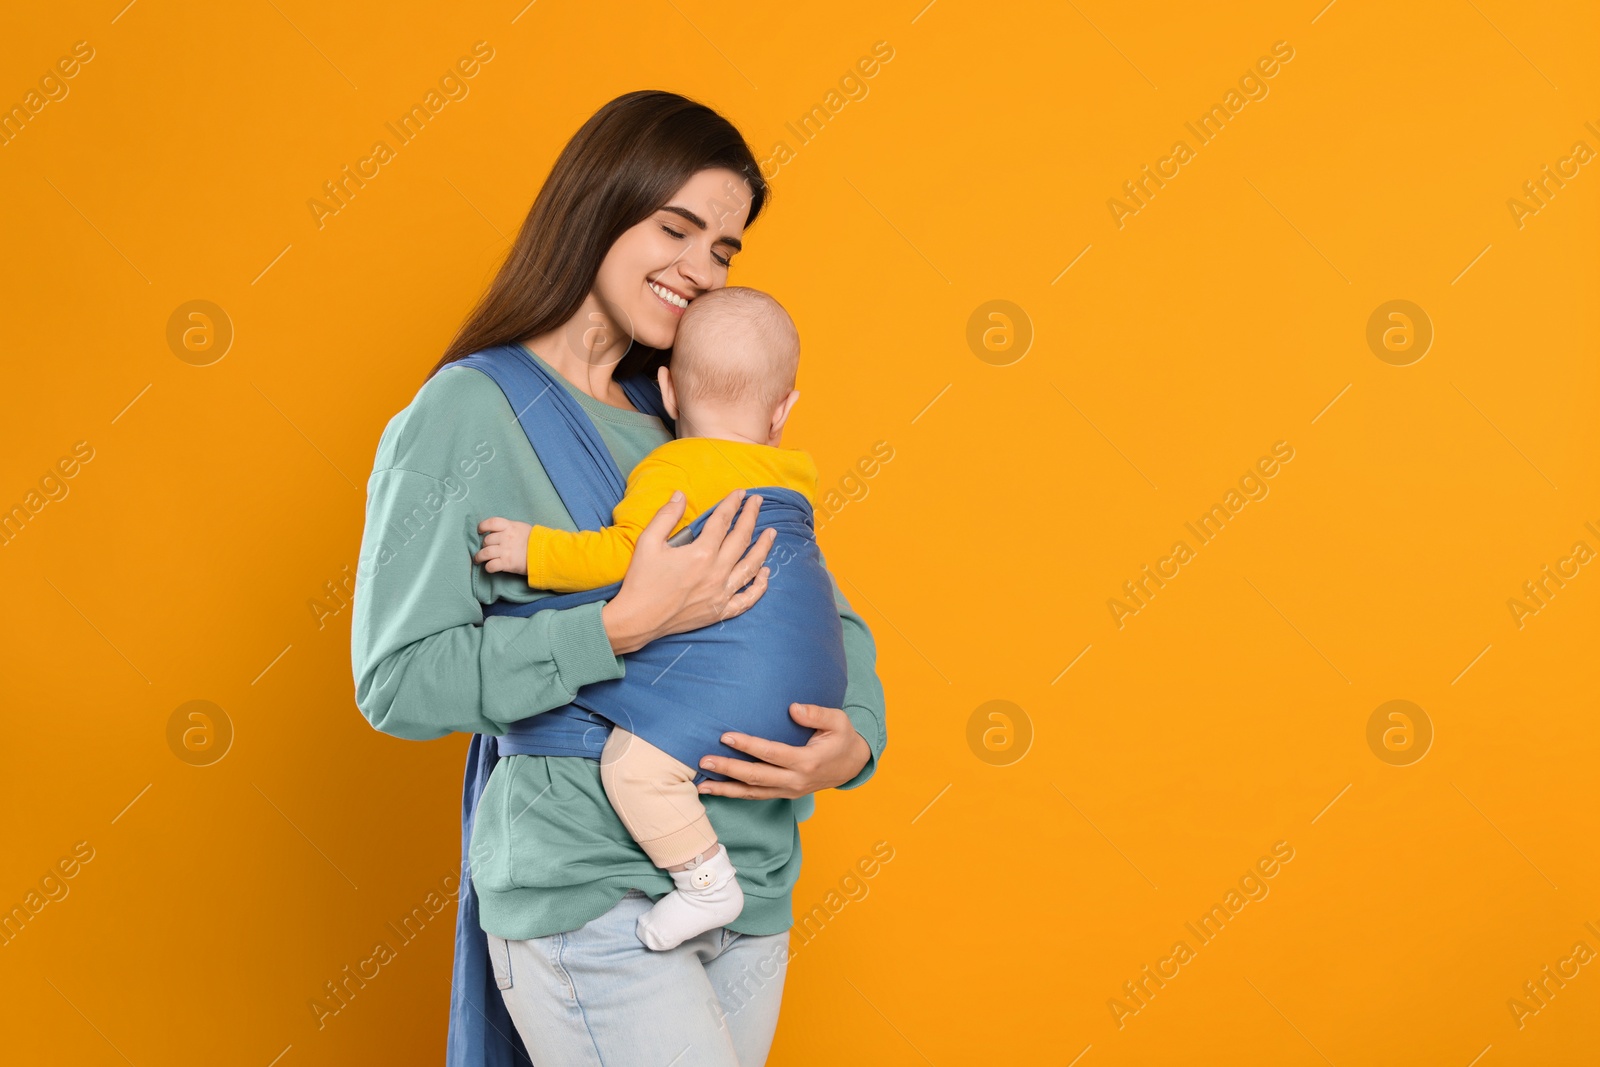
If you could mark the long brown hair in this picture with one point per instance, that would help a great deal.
(622, 166)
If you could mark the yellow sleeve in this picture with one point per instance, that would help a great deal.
(565, 562)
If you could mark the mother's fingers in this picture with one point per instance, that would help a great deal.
(819, 717)
(751, 781)
(740, 791)
(748, 772)
(665, 518)
(747, 568)
(738, 539)
(714, 532)
(740, 603)
(774, 752)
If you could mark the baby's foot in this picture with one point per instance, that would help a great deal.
(707, 897)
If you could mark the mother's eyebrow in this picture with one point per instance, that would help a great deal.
(700, 223)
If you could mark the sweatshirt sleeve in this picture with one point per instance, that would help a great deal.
(863, 695)
(426, 660)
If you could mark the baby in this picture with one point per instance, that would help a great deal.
(730, 389)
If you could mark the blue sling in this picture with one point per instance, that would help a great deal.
(680, 692)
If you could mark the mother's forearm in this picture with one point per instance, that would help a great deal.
(426, 661)
(478, 678)
(626, 631)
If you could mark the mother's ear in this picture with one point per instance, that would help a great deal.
(669, 396)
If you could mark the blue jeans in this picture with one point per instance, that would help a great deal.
(596, 997)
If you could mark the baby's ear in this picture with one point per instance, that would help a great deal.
(780, 415)
(669, 395)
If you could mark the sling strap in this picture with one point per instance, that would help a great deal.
(589, 484)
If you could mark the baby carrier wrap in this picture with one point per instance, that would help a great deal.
(680, 693)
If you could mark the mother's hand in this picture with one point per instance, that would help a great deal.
(671, 590)
(834, 755)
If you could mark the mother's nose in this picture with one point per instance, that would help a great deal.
(698, 269)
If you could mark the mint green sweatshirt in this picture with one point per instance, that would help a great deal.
(548, 853)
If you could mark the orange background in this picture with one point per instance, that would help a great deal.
(1229, 313)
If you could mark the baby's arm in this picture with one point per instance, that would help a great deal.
(563, 561)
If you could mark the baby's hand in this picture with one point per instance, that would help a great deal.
(505, 545)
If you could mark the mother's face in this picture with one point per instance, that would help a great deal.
(682, 250)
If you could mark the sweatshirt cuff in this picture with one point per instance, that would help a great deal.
(538, 558)
(580, 648)
(872, 732)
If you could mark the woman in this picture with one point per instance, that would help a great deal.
(643, 211)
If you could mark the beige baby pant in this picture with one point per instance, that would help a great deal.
(655, 797)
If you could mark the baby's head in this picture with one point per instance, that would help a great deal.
(733, 366)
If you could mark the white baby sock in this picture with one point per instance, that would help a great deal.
(708, 896)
